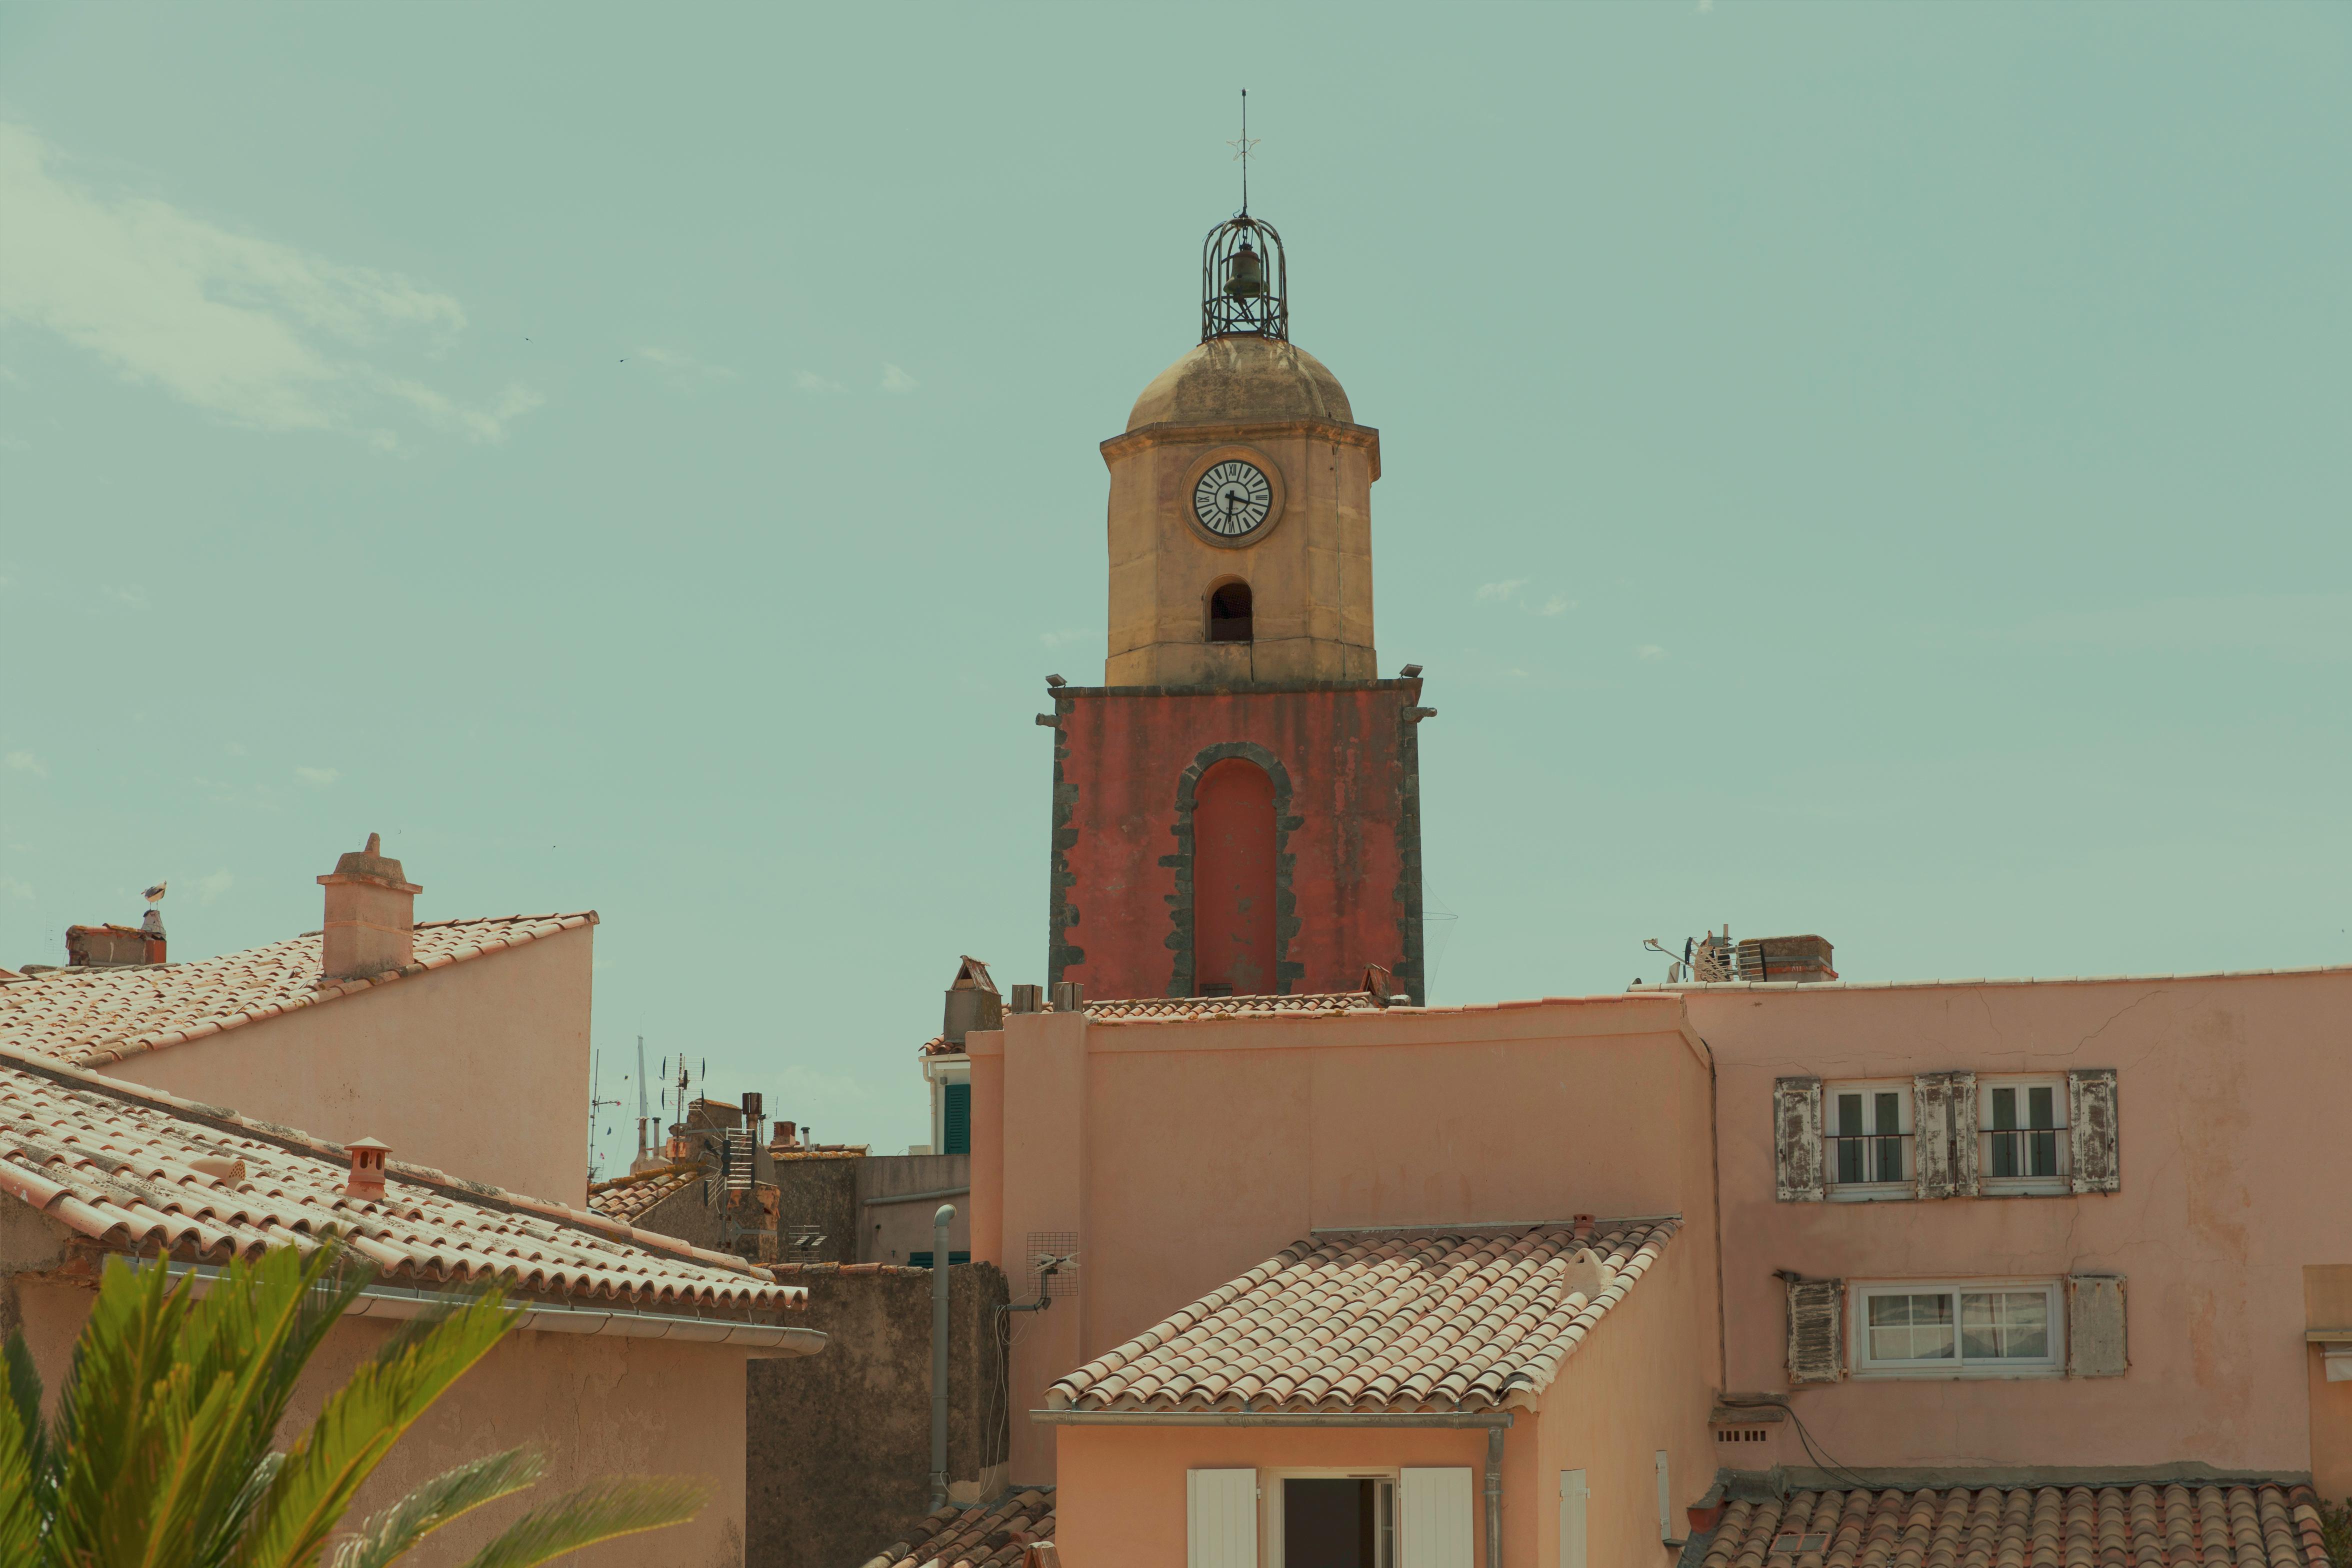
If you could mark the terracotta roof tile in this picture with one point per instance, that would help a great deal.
(623, 1198)
(1472, 1319)
(1184, 1009)
(116, 1162)
(992, 1536)
(2244, 1526)
(92, 1016)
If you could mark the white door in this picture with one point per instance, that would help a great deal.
(1433, 1519)
(1573, 1498)
(1221, 1519)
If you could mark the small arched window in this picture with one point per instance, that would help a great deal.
(1229, 613)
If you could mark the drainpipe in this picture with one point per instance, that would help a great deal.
(939, 1223)
(1494, 1496)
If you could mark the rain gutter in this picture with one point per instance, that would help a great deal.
(1496, 1419)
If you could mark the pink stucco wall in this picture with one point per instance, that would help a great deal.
(592, 1406)
(1184, 1153)
(479, 1068)
(2236, 1167)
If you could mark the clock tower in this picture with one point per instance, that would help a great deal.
(1236, 808)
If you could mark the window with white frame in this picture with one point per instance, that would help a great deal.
(2022, 1131)
(1868, 1138)
(1966, 1327)
(1303, 1518)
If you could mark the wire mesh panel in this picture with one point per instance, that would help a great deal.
(1047, 1247)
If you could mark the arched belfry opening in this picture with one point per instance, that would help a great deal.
(1234, 890)
(1229, 612)
(1244, 281)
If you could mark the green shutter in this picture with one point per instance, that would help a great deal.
(959, 1118)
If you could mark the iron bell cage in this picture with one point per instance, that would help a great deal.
(1245, 282)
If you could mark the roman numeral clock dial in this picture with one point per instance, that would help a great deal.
(1232, 500)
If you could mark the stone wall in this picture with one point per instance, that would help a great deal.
(817, 1195)
(840, 1443)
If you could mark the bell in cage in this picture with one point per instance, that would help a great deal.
(1245, 274)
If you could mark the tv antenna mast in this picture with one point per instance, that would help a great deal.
(645, 1116)
(596, 1103)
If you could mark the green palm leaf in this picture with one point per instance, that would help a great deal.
(604, 1510)
(20, 1511)
(359, 1425)
(392, 1532)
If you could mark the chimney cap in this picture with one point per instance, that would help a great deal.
(368, 1144)
(371, 865)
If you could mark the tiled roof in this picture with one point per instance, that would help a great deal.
(990, 1537)
(115, 1162)
(623, 1198)
(1180, 1009)
(1700, 987)
(1177, 1008)
(92, 1016)
(2264, 1526)
(1424, 1321)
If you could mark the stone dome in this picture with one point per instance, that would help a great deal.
(1241, 380)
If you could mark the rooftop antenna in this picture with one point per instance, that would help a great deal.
(644, 1114)
(1241, 146)
(595, 1103)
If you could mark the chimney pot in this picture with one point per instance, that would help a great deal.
(1028, 999)
(1070, 996)
(371, 922)
(367, 1169)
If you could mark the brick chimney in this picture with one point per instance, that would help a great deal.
(371, 915)
(367, 1165)
(972, 1003)
(1795, 960)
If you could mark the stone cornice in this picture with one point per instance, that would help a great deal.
(1170, 433)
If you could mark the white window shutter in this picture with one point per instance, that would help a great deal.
(1816, 1331)
(1931, 1135)
(2095, 1342)
(2092, 1146)
(1221, 1519)
(1575, 1498)
(1797, 1138)
(1433, 1519)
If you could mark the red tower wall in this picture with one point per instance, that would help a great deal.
(1344, 762)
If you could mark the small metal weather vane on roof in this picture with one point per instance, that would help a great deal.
(1242, 145)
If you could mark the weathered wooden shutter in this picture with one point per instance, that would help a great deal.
(1221, 1519)
(1816, 1331)
(1963, 1102)
(1943, 1134)
(2095, 1342)
(1797, 1138)
(955, 1116)
(2094, 1150)
(1575, 1498)
(1434, 1517)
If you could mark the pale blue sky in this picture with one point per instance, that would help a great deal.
(1874, 470)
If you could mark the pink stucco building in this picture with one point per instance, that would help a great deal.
(1779, 1268)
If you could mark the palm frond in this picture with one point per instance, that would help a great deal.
(105, 1432)
(604, 1510)
(24, 1381)
(20, 1511)
(388, 1535)
(358, 1426)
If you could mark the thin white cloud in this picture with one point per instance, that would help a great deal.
(318, 778)
(1558, 605)
(1650, 650)
(684, 364)
(1060, 640)
(897, 380)
(809, 381)
(257, 333)
(213, 885)
(26, 763)
(134, 596)
(15, 888)
(1500, 592)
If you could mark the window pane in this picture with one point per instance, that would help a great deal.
(1890, 1113)
(1911, 1328)
(2045, 1154)
(1849, 1115)
(2004, 1107)
(2005, 1325)
(1849, 1152)
(2039, 1107)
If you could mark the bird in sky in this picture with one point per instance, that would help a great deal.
(155, 895)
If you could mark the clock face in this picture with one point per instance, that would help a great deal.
(1233, 499)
